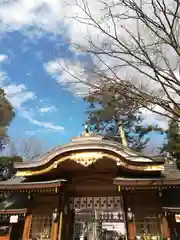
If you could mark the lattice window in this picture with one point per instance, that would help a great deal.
(40, 227)
(149, 225)
(96, 203)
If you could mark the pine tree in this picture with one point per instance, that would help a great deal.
(106, 110)
(172, 145)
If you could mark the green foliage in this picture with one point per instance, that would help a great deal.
(6, 116)
(106, 110)
(172, 145)
(7, 160)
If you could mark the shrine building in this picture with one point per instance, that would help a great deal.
(91, 188)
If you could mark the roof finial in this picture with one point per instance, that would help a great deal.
(86, 128)
(86, 132)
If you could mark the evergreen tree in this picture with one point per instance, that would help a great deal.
(172, 145)
(6, 116)
(106, 110)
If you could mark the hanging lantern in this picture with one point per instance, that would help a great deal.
(130, 214)
(160, 192)
(55, 215)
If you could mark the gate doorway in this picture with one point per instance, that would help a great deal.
(98, 218)
(17, 230)
(174, 226)
(98, 225)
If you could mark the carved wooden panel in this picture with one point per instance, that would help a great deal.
(96, 203)
(103, 203)
(110, 202)
(76, 203)
(83, 203)
(89, 203)
(118, 203)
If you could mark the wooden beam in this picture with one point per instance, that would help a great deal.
(146, 182)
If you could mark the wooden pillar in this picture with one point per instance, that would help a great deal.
(61, 211)
(124, 197)
(164, 222)
(8, 236)
(130, 226)
(164, 227)
(27, 227)
(54, 228)
(54, 231)
(131, 231)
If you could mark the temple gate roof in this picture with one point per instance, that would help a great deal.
(87, 150)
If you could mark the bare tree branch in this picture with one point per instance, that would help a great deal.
(150, 49)
(28, 148)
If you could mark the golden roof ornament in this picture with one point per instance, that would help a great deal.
(87, 135)
(86, 158)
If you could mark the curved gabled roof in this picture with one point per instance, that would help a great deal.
(91, 144)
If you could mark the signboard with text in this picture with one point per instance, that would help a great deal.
(177, 218)
(14, 219)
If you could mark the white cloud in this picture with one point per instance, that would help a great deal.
(69, 79)
(155, 119)
(19, 96)
(34, 132)
(47, 109)
(22, 14)
(16, 94)
(49, 16)
(49, 125)
(3, 58)
(3, 77)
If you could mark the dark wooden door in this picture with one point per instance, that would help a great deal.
(174, 227)
(17, 230)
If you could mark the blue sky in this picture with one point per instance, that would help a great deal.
(34, 37)
(34, 93)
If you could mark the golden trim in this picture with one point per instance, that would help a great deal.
(155, 168)
(60, 225)
(88, 158)
(45, 170)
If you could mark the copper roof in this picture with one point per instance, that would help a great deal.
(20, 183)
(89, 144)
